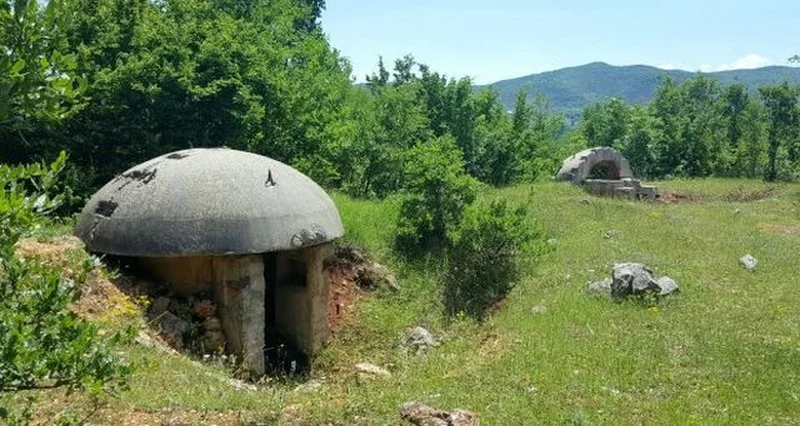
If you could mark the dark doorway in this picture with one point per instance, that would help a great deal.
(607, 170)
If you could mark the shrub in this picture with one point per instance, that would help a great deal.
(43, 344)
(437, 191)
(484, 260)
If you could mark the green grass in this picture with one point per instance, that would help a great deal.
(725, 350)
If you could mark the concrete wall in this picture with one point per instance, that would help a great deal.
(239, 291)
(187, 275)
(301, 310)
(299, 296)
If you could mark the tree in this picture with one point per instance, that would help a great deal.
(780, 102)
(38, 86)
(437, 191)
(605, 124)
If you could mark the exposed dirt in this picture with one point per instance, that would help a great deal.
(53, 251)
(343, 295)
(668, 197)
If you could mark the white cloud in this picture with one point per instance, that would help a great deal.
(746, 62)
(751, 61)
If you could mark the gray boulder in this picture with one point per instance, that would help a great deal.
(633, 279)
(172, 328)
(666, 286)
(420, 339)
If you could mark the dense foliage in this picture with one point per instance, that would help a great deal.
(43, 344)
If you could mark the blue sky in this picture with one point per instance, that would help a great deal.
(494, 40)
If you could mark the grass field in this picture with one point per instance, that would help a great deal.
(725, 350)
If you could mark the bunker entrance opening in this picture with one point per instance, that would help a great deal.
(607, 170)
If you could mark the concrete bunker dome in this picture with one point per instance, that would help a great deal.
(208, 202)
(604, 171)
(248, 229)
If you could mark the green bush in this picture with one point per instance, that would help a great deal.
(484, 261)
(437, 191)
(43, 344)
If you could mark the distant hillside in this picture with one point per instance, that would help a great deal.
(569, 90)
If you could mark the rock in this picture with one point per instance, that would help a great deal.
(372, 370)
(214, 340)
(666, 286)
(420, 414)
(205, 308)
(420, 339)
(600, 287)
(552, 242)
(610, 234)
(159, 306)
(374, 276)
(212, 324)
(172, 328)
(631, 279)
(309, 386)
(749, 262)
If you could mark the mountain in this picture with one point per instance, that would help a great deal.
(569, 90)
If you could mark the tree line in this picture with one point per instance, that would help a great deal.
(699, 128)
(116, 82)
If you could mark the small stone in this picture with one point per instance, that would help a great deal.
(214, 340)
(420, 414)
(212, 324)
(749, 262)
(159, 306)
(667, 286)
(610, 234)
(375, 276)
(420, 338)
(205, 308)
(309, 386)
(552, 242)
(172, 328)
(600, 287)
(372, 370)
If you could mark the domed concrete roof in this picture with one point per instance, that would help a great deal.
(578, 167)
(208, 201)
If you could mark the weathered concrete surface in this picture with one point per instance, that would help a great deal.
(302, 309)
(626, 188)
(239, 291)
(208, 201)
(578, 168)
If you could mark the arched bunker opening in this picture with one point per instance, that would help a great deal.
(607, 170)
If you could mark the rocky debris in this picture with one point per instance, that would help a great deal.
(368, 274)
(420, 339)
(213, 338)
(749, 262)
(601, 287)
(172, 328)
(420, 414)
(159, 306)
(666, 285)
(372, 370)
(634, 279)
(204, 308)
